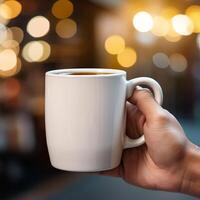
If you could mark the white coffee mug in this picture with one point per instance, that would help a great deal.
(85, 117)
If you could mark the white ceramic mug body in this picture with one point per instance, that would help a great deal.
(85, 118)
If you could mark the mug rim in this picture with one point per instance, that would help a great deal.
(112, 72)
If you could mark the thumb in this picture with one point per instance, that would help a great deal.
(145, 102)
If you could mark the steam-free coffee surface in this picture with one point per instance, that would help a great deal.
(84, 73)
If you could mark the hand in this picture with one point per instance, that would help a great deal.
(160, 163)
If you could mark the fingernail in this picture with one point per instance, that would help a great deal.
(139, 87)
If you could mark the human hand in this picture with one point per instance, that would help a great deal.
(160, 163)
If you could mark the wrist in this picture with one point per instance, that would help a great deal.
(190, 183)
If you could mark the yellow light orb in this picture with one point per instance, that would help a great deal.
(143, 21)
(17, 34)
(33, 51)
(46, 51)
(15, 70)
(169, 12)
(8, 59)
(182, 24)
(161, 26)
(178, 62)
(62, 9)
(172, 36)
(11, 44)
(114, 44)
(127, 58)
(38, 26)
(25, 52)
(194, 13)
(10, 9)
(3, 20)
(66, 28)
(36, 51)
(19, 65)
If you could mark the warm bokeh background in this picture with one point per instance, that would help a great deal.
(159, 39)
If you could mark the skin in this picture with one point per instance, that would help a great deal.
(168, 161)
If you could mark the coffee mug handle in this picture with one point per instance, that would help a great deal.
(158, 94)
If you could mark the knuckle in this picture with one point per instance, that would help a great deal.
(162, 117)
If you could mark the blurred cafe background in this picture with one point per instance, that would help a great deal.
(154, 38)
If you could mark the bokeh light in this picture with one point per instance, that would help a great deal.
(143, 21)
(160, 60)
(114, 44)
(127, 58)
(66, 28)
(194, 13)
(9, 34)
(172, 36)
(62, 9)
(145, 38)
(11, 44)
(198, 40)
(161, 26)
(12, 88)
(36, 51)
(178, 62)
(46, 51)
(3, 20)
(3, 33)
(17, 34)
(25, 51)
(10, 9)
(8, 59)
(182, 24)
(38, 26)
(19, 65)
(16, 69)
(169, 12)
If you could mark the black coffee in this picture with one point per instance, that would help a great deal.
(89, 73)
(84, 73)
